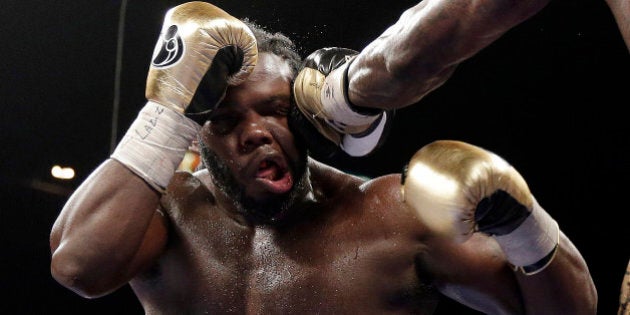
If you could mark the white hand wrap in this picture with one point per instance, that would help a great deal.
(155, 144)
(335, 107)
(532, 244)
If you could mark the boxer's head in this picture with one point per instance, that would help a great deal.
(246, 143)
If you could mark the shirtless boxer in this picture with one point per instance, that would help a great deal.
(265, 229)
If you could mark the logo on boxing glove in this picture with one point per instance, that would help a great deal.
(169, 49)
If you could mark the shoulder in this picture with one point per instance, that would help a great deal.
(334, 183)
(195, 187)
(337, 182)
(389, 185)
(331, 180)
(383, 195)
(378, 198)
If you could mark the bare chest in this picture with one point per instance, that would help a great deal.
(322, 269)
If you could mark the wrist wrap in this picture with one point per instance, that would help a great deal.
(155, 144)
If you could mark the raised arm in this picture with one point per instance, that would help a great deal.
(98, 240)
(421, 50)
(111, 228)
(344, 93)
(463, 194)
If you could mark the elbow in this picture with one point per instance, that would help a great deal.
(75, 276)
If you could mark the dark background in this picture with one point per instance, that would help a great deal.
(549, 96)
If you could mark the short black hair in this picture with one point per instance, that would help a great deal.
(282, 46)
(276, 43)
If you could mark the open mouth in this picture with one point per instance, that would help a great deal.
(275, 176)
(269, 170)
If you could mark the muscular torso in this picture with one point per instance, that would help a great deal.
(349, 253)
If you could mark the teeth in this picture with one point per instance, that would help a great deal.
(268, 170)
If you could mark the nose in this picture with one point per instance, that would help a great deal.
(254, 134)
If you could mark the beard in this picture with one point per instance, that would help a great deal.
(269, 211)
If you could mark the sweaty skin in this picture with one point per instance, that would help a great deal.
(339, 248)
(347, 245)
(345, 252)
(303, 238)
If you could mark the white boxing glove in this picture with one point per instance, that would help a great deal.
(321, 95)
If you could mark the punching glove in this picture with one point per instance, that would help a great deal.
(321, 95)
(458, 189)
(201, 51)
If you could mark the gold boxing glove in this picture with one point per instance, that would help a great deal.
(201, 50)
(458, 189)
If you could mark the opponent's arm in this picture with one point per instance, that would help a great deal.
(323, 115)
(421, 50)
(346, 94)
(462, 194)
(111, 228)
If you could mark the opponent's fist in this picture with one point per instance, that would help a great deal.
(201, 51)
(320, 90)
(458, 189)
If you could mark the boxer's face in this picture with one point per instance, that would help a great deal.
(247, 145)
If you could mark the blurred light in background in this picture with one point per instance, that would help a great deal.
(62, 172)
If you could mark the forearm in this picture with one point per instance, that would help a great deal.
(564, 287)
(110, 228)
(100, 230)
(421, 50)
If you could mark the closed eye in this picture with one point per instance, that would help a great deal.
(276, 106)
(282, 110)
(222, 123)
